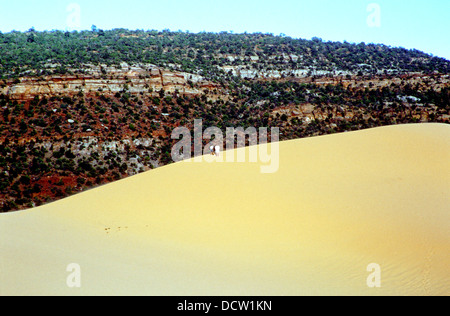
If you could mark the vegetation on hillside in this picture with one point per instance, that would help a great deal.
(40, 53)
(52, 146)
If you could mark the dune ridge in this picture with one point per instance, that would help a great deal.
(337, 204)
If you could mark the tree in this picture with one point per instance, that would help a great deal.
(25, 180)
(30, 38)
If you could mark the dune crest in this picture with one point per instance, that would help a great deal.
(336, 205)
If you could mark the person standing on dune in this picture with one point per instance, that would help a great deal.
(215, 151)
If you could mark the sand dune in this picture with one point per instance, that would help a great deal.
(337, 204)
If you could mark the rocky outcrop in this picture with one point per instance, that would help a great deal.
(134, 79)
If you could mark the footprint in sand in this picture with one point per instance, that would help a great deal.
(118, 229)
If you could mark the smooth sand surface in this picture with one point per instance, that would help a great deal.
(337, 204)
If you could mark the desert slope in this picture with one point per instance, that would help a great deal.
(337, 204)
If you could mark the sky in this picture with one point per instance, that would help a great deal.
(419, 24)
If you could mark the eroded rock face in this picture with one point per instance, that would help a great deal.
(135, 79)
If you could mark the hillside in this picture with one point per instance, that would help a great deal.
(83, 109)
(209, 54)
(337, 204)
